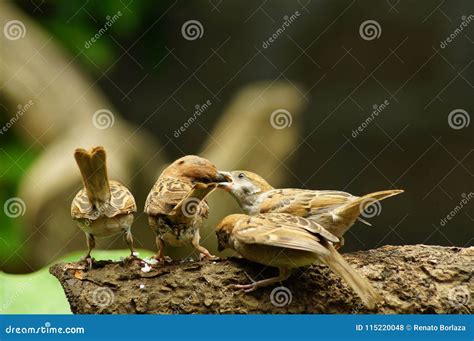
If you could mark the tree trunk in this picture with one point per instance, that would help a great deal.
(412, 279)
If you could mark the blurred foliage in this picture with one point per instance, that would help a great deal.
(41, 293)
(73, 26)
(15, 156)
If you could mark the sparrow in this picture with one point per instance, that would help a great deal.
(176, 205)
(337, 211)
(286, 241)
(103, 207)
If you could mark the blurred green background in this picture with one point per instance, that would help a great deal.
(151, 77)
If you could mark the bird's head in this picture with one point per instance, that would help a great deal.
(224, 231)
(195, 169)
(245, 185)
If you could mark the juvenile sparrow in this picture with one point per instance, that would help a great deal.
(102, 208)
(285, 241)
(337, 211)
(176, 205)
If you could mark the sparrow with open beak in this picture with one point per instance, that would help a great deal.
(176, 205)
(103, 207)
(337, 211)
(285, 241)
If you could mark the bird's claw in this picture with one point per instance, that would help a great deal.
(246, 287)
(207, 256)
(88, 260)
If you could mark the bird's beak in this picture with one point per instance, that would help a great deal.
(223, 177)
(226, 183)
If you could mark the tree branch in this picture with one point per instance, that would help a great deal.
(412, 279)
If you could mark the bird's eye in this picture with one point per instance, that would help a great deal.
(241, 175)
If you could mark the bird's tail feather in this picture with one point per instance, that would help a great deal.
(93, 169)
(353, 209)
(357, 282)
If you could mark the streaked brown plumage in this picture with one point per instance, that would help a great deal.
(286, 241)
(176, 205)
(337, 211)
(102, 208)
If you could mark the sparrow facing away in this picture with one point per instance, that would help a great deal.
(337, 211)
(285, 241)
(102, 208)
(176, 205)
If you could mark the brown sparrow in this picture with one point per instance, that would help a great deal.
(286, 241)
(102, 208)
(335, 210)
(176, 205)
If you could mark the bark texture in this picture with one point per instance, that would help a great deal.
(412, 279)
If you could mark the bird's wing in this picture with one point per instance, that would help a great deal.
(121, 200)
(193, 203)
(265, 229)
(165, 195)
(81, 207)
(302, 202)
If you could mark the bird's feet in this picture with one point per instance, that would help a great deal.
(247, 287)
(87, 261)
(162, 259)
(206, 255)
